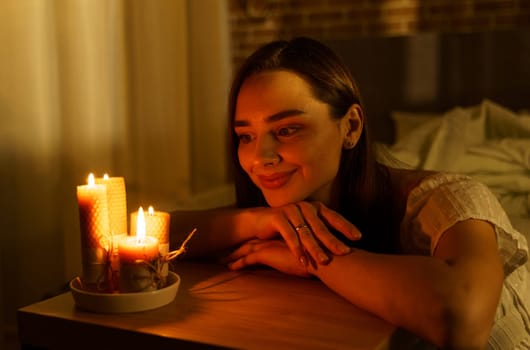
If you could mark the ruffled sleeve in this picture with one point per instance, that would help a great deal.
(442, 200)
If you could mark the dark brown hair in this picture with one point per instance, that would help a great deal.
(362, 184)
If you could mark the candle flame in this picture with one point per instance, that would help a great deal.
(91, 181)
(150, 210)
(106, 177)
(140, 226)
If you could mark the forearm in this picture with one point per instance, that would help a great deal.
(421, 294)
(217, 229)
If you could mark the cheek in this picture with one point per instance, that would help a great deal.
(324, 162)
(244, 159)
(323, 149)
(324, 159)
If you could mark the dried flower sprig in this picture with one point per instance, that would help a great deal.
(157, 268)
(173, 254)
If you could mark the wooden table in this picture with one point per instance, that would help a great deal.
(214, 308)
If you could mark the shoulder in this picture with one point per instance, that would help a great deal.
(441, 200)
(444, 198)
(452, 191)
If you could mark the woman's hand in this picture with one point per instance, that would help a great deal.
(271, 252)
(305, 228)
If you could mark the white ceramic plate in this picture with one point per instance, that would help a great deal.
(125, 302)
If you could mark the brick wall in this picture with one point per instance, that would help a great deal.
(254, 22)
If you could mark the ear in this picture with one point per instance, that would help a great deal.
(352, 126)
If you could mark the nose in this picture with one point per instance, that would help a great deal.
(266, 152)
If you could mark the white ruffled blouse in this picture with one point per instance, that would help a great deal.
(442, 200)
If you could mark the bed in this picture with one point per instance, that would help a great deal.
(455, 102)
(486, 141)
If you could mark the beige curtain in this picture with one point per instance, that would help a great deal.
(134, 88)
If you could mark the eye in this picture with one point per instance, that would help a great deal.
(244, 138)
(287, 131)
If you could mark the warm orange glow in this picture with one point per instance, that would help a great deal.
(91, 181)
(140, 226)
(150, 210)
(106, 177)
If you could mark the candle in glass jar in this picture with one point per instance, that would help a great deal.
(94, 226)
(138, 255)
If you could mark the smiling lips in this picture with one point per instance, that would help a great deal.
(275, 180)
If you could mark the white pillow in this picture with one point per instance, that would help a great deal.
(406, 122)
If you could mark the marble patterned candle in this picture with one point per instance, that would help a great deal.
(156, 225)
(138, 255)
(95, 239)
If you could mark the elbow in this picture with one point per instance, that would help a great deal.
(467, 338)
(466, 325)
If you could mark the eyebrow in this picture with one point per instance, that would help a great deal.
(274, 117)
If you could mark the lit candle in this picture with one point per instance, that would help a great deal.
(94, 225)
(117, 203)
(136, 253)
(117, 209)
(156, 225)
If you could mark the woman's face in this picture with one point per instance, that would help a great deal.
(289, 144)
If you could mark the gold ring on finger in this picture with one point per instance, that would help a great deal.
(301, 226)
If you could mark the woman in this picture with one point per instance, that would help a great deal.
(432, 253)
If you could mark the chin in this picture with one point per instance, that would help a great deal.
(281, 199)
(275, 204)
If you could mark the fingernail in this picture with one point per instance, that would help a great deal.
(303, 261)
(323, 257)
(345, 250)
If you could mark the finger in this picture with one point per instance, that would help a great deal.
(249, 253)
(242, 262)
(244, 249)
(304, 231)
(312, 245)
(338, 222)
(321, 232)
(290, 235)
(321, 227)
(237, 264)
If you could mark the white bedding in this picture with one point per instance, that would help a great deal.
(486, 141)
